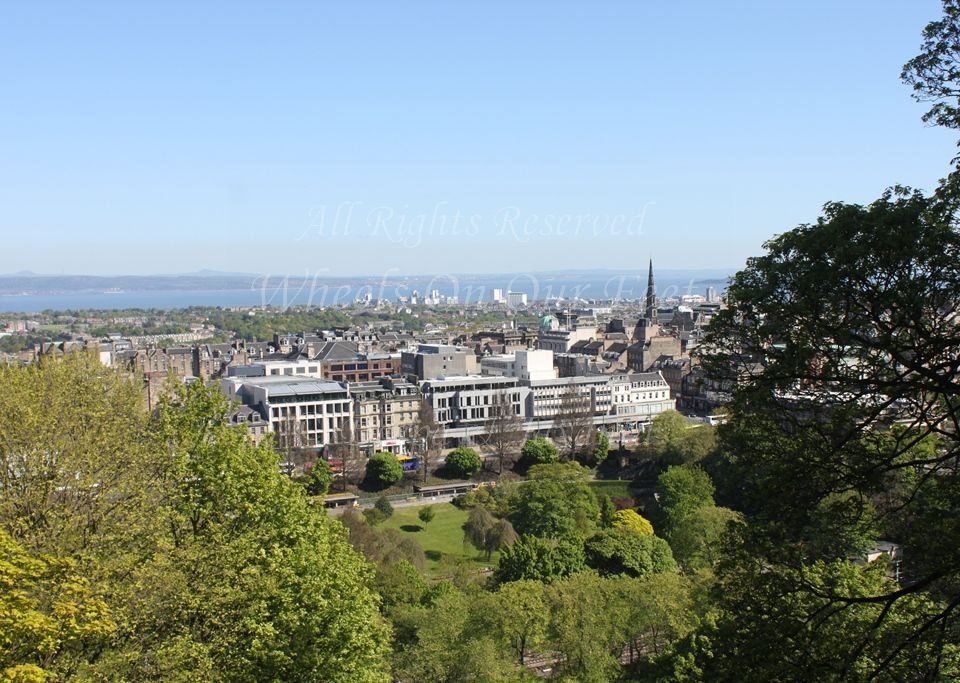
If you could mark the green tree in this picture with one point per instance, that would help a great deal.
(666, 429)
(584, 628)
(556, 502)
(384, 506)
(463, 462)
(539, 451)
(319, 478)
(607, 511)
(681, 490)
(384, 470)
(697, 539)
(522, 616)
(622, 551)
(426, 514)
(601, 448)
(843, 331)
(538, 559)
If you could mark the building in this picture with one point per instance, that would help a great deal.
(498, 296)
(432, 361)
(523, 365)
(309, 410)
(516, 299)
(385, 414)
(464, 404)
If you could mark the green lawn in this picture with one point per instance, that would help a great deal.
(441, 539)
(614, 489)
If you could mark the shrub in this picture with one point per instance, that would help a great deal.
(539, 451)
(383, 469)
(463, 462)
(384, 506)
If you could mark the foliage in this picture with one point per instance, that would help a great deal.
(607, 511)
(426, 514)
(384, 506)
(622, 551)
(206, 557)
(601, 448)
(384, 470)
(556, 502)
(539, 451)
(463, 462)
(631, 520)
(538, 559)
(49, 616)
(697, 540)
(666, 429)
(318, 479)
(681, 490)
(486, 533)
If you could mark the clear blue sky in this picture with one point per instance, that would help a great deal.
(182, 136)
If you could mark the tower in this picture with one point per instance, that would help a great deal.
(651, 312)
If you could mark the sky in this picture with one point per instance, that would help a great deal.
(349, 138)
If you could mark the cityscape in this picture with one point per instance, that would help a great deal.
(451, 343)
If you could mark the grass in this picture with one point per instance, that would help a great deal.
(614, 489)
(441, 539)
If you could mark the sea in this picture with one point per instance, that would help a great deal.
(285, 292)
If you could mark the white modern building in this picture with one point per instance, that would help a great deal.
(315, 410)
(515, 299)
(524, 365)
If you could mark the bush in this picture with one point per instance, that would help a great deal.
(632, 521)
(373, 516)
(384, 506)
(463, 462)
(539, 451)
(384, 470)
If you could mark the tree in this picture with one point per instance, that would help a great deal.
(318, 478)
(556, 502)
(632, 521)
(186, 532)
(504, 430)
(49, 616)
(428, 434)
(538, 559)
(426, 514)
(934, 74)
(840, 332)
(574, 420)
(665, 430)
(585, 627)
(486, 533)
(345, 451)
(697, 539)
(607, 511)
(293, 442)
(622, 551)
(384, 506)
(463, 462)
(522, 616)
(601, 448)
(681, 490)
(384, 470)
(539, 451)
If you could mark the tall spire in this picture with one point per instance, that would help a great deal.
(651, 297)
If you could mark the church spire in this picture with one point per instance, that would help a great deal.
(651, 297)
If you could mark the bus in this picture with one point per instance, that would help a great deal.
(409, 463)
